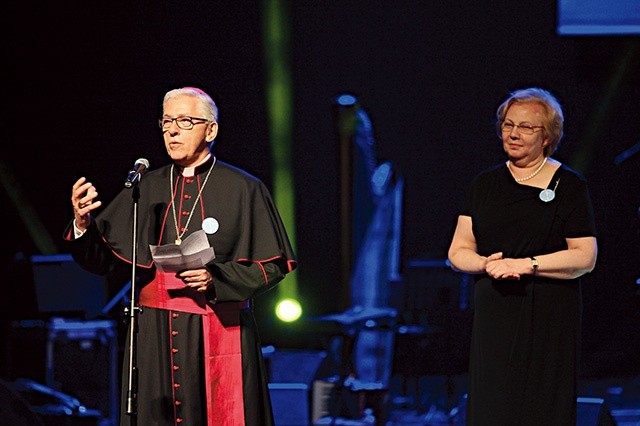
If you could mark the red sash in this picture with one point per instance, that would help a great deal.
(222, 349)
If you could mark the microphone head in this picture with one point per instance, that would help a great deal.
(141, 165)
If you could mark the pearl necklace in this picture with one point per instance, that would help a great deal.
(531, 175)
(195, 203)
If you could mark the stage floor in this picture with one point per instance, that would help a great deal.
(441, 400)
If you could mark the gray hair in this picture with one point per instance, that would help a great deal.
(207, 107)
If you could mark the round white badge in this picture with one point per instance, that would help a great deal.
(547, 195)
(210, 225)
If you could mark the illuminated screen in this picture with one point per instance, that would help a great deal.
(598, 17)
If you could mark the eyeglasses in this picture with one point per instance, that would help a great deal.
(184, 122)
(524, 128)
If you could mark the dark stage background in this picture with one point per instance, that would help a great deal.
(88, 80)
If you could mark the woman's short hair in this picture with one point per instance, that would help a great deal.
(552, 118)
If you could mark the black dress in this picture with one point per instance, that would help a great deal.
(526, 333)
(253, 254)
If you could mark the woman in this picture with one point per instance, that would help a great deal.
(527, 232)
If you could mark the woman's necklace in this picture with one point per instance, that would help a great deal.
(195, 203)
(531, 175)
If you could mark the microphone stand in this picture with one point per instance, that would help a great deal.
(132, 310)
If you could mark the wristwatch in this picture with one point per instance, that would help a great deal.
(535, 264)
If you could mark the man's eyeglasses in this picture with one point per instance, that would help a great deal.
(184, 122)
(524, 128)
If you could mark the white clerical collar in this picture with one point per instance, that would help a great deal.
(191, 171)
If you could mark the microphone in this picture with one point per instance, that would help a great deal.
(141, 165)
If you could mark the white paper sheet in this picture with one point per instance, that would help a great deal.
(193, 253)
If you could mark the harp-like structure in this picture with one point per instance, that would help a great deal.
(371, 194)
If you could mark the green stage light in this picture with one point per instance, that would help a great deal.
(288, 310)
(279, 98)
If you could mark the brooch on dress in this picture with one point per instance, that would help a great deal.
(548, 195)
